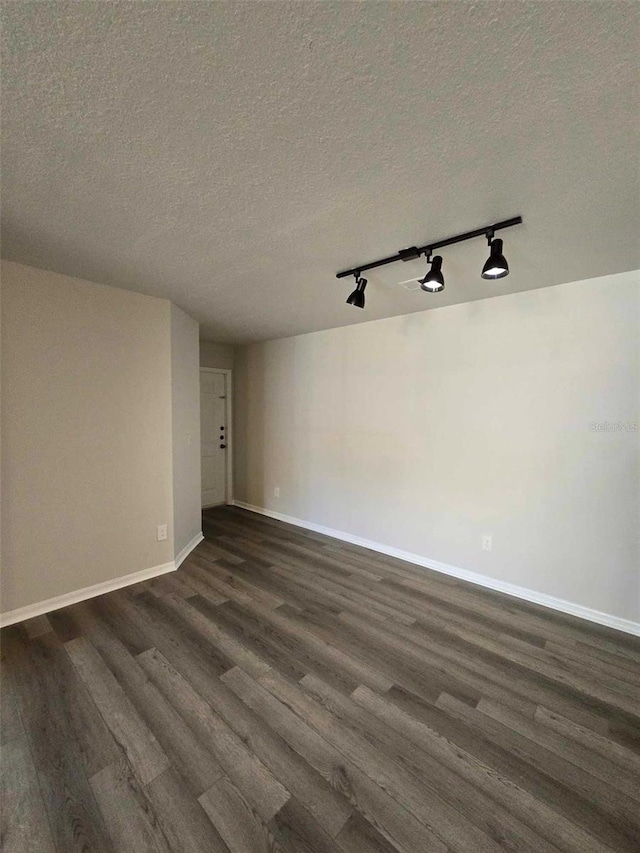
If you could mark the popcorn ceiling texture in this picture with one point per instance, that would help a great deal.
(232, 157)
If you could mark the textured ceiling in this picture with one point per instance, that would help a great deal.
(233, 156)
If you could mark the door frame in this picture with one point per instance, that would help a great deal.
(229, 407)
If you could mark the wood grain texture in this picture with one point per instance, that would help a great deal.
(287, 693)
(239, 825)
(144, 753)
(183, 820)
(129, 815)
(24, 826)
(67, 739)
(261, 788)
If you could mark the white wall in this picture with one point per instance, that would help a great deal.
(88, 462)
(216, 355)
(426, 431)
(185, 419)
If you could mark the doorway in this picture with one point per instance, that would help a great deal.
(215, 436)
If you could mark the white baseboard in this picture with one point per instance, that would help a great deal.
(188, 548)
(32, 610)
(531, 595)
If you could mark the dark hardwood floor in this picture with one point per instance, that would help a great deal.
(284, 691)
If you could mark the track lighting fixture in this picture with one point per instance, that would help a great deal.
(496, 265)
(433, 282)
(357, 297)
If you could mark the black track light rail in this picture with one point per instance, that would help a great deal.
(414, 251)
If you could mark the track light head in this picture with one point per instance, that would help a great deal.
(433, 282)
(496, 265)
(357, 297)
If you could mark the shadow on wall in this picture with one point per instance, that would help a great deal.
(300, 428)
(249, 427)
(218, 356)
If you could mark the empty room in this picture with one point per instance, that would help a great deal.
(320, 407)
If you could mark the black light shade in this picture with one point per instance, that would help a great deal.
(433, 282)
(357, 297)
(496, 265)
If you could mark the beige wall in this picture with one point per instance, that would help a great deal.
(216, 355)
(426, 431)
(185, 419)
(86, 434)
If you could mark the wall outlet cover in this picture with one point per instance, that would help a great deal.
(487, 543)
(162, 532)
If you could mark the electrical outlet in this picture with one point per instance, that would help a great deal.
(162, 532)
(487, 543)
(276, 492)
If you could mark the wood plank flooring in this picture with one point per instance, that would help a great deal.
(283, 691)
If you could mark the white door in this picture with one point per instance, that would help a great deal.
(214, 437)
